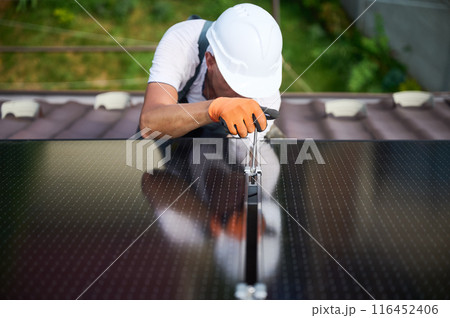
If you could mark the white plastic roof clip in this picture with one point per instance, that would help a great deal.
(112, 100)
(20, 108)
(413, 99)
(345, 108)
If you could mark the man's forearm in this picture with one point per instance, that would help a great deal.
(176, 120)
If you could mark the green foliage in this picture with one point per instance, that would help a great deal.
(362, 76)
(378, 46)
(215, 8)
(310, 3)
(112, 9)
(392, 80)
(316, 32)
(382, 73)
(23, 4)
(353, 63)
(333, 17)
(162, 11)
(63, 16)
(410, 84)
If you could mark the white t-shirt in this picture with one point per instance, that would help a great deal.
(176, 59)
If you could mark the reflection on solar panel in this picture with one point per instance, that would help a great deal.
(380, 209)
(70, 209)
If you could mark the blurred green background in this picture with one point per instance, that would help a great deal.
(353, 64)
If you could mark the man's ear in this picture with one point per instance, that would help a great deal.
(210, 60)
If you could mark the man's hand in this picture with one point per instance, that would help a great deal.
(238, 113)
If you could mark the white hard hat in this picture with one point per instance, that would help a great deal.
(246, 42)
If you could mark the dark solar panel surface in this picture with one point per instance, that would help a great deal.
(70, 208)
(381, 209)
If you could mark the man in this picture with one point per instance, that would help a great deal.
(189, 93)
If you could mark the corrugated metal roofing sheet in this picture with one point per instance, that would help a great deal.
(71, 115)
(304, 116)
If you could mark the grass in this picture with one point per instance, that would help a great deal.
(144, 22)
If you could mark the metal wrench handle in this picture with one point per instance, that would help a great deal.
(255, 152)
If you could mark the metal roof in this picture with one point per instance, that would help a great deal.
(304, 116)
(71, 115)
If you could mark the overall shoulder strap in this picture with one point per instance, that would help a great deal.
(202, 46)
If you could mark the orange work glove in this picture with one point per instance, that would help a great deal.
(238, 114)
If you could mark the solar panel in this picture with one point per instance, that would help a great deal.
(77, 221)
(71, 208)
(373, 221)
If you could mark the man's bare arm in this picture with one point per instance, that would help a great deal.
(161, 113)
